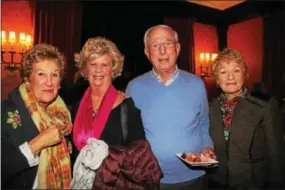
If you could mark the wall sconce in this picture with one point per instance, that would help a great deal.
(206, 60)
(12, 47)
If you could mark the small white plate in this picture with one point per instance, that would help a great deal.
(211, 162)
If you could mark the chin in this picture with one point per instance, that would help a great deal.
(231, 91)
(97, 84)
(164, 68)
(47, 100)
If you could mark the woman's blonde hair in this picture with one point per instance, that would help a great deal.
(227, 56)
(41, 52)
(95, 48)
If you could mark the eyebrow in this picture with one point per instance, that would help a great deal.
(45, 71)
(165, 40)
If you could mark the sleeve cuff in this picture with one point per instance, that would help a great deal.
(27, 152)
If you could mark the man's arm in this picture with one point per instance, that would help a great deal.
(204, 120)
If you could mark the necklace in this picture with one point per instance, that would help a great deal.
(93, 114)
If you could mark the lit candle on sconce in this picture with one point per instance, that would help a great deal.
(214, 56)
(22, 38)
(3, 37)
(207, 57)
(28, 41)
(13, 45)
(12, 37)
(202, 57)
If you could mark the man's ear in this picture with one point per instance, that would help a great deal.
(146, 52)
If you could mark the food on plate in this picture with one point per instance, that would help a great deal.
(194, 157)
(197, 159)
(210, 155)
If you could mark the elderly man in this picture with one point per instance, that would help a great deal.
(174, 110)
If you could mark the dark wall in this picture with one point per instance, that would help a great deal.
(124, 25)
(183, 27)
(125, 22)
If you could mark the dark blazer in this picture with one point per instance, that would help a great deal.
(15, 170)
(254, 155)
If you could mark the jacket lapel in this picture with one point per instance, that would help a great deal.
(243, 125)
(28, 129)
(216, 124)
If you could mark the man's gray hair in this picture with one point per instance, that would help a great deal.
(146, 35)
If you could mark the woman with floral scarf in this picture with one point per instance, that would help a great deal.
(245, 129)
(34, 121)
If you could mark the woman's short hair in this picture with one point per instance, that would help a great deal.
(146, 35)
(227, 56)
(95, 48)
(41, 52)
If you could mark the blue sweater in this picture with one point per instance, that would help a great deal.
(175, 119)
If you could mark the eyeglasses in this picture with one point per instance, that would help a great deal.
(166, 44)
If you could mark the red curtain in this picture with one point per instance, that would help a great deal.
(59, 24)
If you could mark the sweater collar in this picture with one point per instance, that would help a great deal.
(170, 80)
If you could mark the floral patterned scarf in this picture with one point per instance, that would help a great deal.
(54, 169)
(227, 110)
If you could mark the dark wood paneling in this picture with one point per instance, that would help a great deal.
(250, 9)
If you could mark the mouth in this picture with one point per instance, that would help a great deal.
(98, 77)
(232, 83)
(163, 60)
(48, 91)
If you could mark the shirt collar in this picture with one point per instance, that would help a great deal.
(170, 80)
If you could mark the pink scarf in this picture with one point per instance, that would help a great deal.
(85, 126)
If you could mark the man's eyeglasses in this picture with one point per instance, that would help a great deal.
(166, 44)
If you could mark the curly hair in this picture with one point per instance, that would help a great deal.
(95, 48)
(226, 56)
(41, 52)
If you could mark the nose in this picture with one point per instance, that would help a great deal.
(162, 49)
(98, 68)
(49, 80)
(231, 75)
